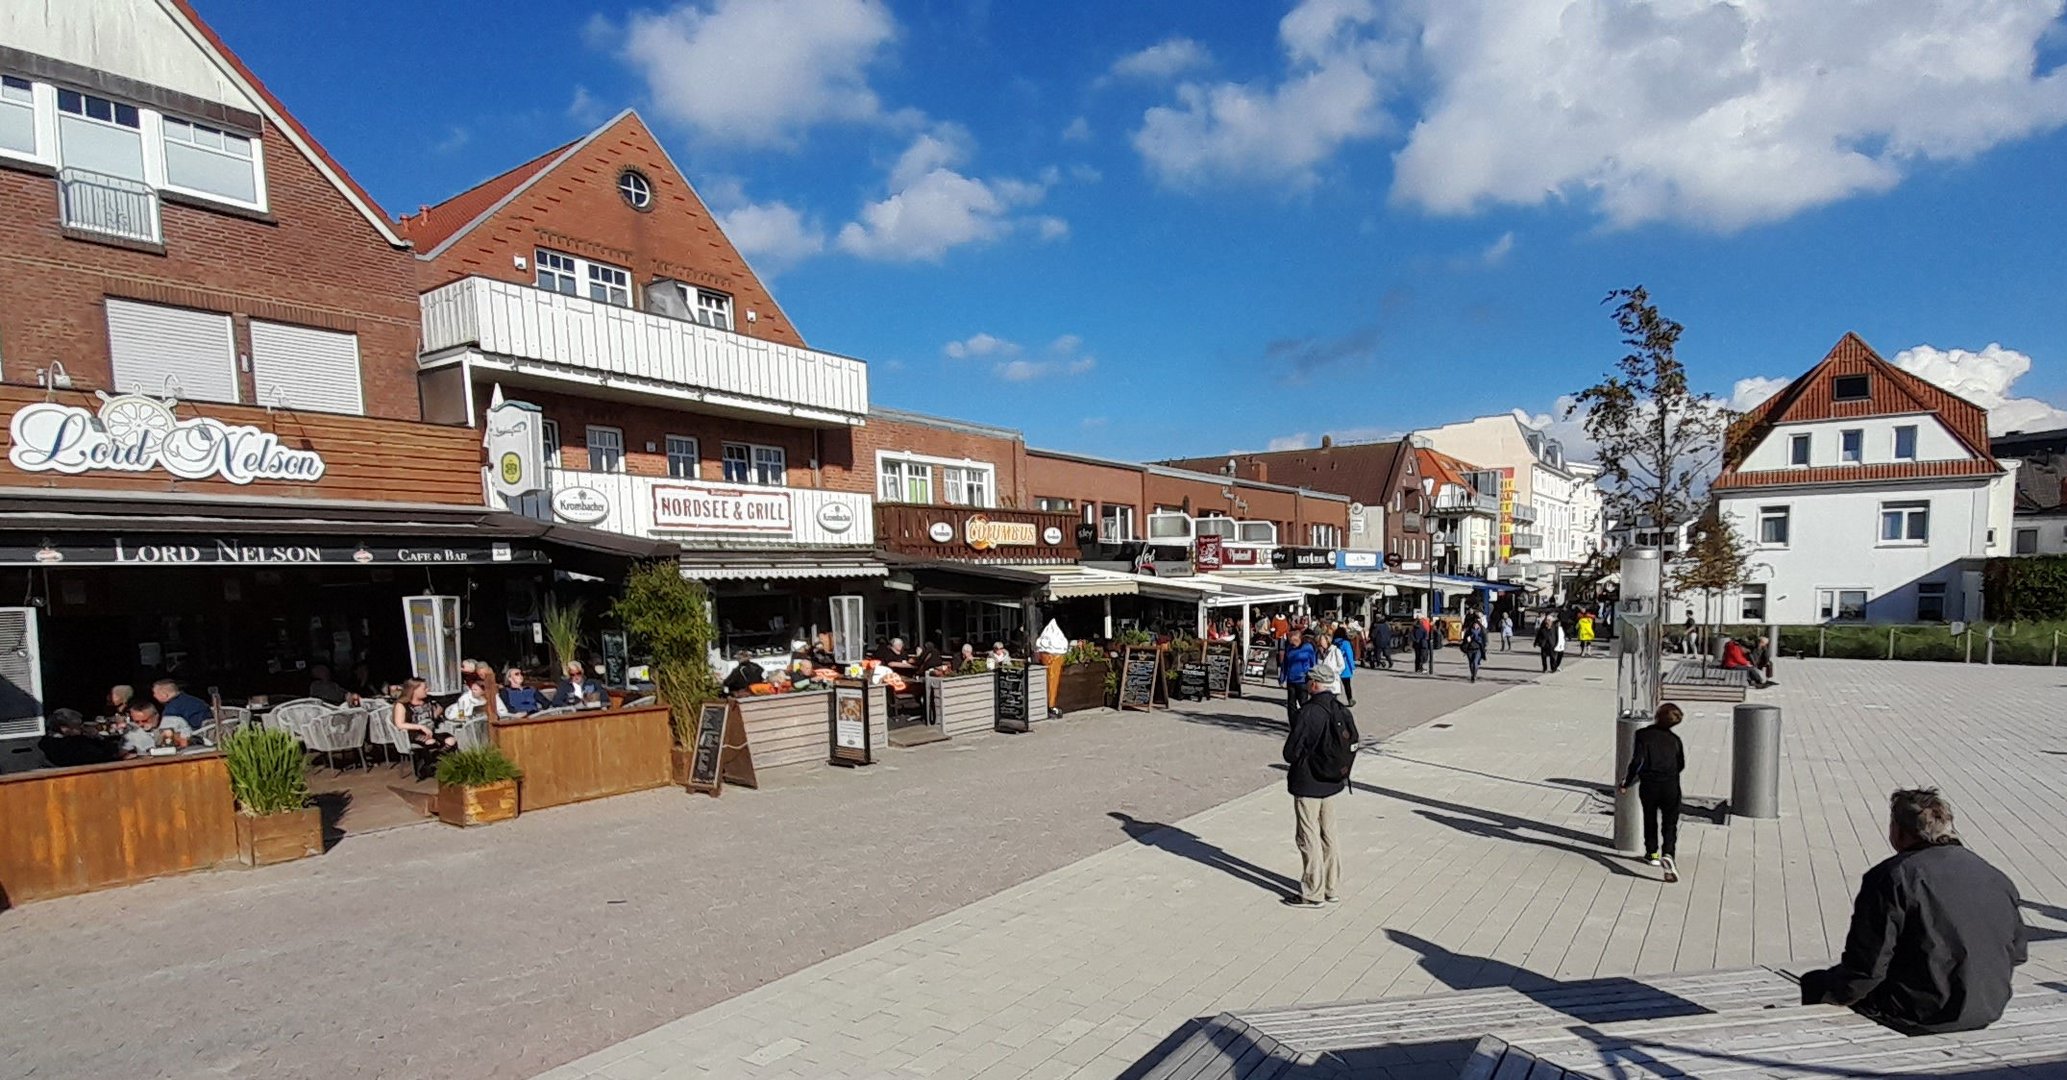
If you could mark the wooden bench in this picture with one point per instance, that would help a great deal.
(1687, 682)
(1793, 1041)
(1439, 1031)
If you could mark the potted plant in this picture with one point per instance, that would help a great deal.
(269, 778)
(1085, 676)
(562, 627)
(476, 787)
(669, 617)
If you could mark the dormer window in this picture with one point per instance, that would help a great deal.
(1851, 388)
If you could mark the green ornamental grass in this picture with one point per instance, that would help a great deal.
(473, 768)
(267, 773)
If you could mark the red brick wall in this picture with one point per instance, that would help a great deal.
(1008, 455)
(576, 208)
(1084, 482)
(642, 424)
(317, 263)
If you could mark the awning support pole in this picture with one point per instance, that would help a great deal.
(1108, 618)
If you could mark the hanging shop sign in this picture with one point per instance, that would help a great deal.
(1357, 560)
(580, 505)
(514, 435)
(1302, 559)
(1242, 556)
(835, 517)
(138, 433)
(940, 532)
(1208, 554)
(711, 508)
(263, 551)
(984, 534)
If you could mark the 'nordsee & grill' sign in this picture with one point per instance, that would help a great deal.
(138, 433)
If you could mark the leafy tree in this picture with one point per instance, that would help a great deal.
(1717, 562)
(668, 616)
(1658, 439)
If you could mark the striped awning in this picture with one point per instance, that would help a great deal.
(778, 566)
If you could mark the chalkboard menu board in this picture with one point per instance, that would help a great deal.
(1258, 666)
(710, 742)
(1140, 671)
(616, 657)
(1220, 667)
(1192, 682)
(1013, 712)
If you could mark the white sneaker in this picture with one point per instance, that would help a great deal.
(1671, 871)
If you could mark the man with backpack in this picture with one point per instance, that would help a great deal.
(1319, 754)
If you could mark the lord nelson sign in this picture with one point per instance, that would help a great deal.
(137, 433)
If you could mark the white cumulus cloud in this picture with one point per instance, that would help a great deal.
(979, 345)
(1987, 378)
(1062, 357)
(1719, 114)
(773, 235)
(1749, 394)
(1163, 60)
(759, 72)
(1337, 72)
(933, 208)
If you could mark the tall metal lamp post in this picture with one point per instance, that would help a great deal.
(1639, 644)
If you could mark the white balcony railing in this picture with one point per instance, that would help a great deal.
(1524, 512)
(1467, 502)
(528, 330)
(108, 205)
(723, 515)
(1527, 541)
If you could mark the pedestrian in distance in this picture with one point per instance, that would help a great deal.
(1343, 646)
(1320, 752)
(1586, 633)
(1506, 631)
(1546, 640)
(1474, 644)
(1557, 644)
(1381, 643)
(1655, 762)
(1299, 659)
(1689, 637)
(1935, 930)
(1419, 637)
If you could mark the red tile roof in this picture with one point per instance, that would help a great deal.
(372, 207)
(1891, 392)
(433, 225)
(1837, 474)
(1445, 469)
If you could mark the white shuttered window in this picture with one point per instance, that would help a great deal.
(149, 342)
(298, 367)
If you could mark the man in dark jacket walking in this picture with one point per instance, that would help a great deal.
(1313, 795)
(1381, 643)
(1935, 930)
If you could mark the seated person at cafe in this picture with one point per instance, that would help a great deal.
(477, 701)
(822, 652)
(151, 727)
(892, 654)
(324, 688)
(174, 702)
(966, 656)
(1734, 658)
(745, 674)
(118, 702)
(1000, 656)
(69, 744)
(576, 691)
(362, 682)
(518, 698)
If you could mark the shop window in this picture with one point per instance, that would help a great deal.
(1773, 522)
(1115, 524)
(1905, 522)
(1798, 451)
(606, 449)
(1090, 513)
(682, 457)
(1905, 443)
(902, 481)
(2026, 541)
(1930, 601)
(1851, 446)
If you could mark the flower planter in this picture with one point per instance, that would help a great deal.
(461, 805)
(1082, 686)
(962, 704)
(263, 840)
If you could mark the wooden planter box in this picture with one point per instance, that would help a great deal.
(588, 755)
(968, 704)
(461, 805)
(263, 840)
(786, 729)
(90, 827)
(1081, 687)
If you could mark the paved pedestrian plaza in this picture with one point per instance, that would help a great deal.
(1477, 856)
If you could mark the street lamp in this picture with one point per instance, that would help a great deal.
(1428, 527)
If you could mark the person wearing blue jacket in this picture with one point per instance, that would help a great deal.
(1299, 659)
(1348, 651)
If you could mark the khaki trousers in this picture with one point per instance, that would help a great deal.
(1320, 859)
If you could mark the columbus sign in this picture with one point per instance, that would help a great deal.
(138, 433)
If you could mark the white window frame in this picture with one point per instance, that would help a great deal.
(899, 480)
(42, 104)
(912, 460)
(736, 453)
(1896, 447)
(676, 453)
(610, 281)
(2017, 537)
(1937, 589)
(770, 465)
(1801, 449)
(1782, 514)
(635, 189)
(1910, 510)
(550, 429)
(1752, 594)
(1851, 446)
(582, 274)
(1326, 536)
(961, 485)
(257, 159)
(1115, 523)
(1830, 603)
(590, 441)
(711, 308)
(560, 266)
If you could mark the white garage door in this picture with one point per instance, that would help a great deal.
(301, 368)
(149, 342)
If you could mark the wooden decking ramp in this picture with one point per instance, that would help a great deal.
(1686, 681)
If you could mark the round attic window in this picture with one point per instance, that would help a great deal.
(636, 189)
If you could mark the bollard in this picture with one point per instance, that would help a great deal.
(1755, 761)
(1629, 817)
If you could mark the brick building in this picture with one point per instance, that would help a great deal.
(207, 359)
(1383, 478)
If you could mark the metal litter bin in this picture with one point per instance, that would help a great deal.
(1755, 761)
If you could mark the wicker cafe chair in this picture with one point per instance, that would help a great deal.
(382, 732)
(472, 735)
(295, 716)
(337, 731)
(229, 720)
(642, 702)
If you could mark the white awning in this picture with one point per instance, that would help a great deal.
(1073, 582)
(778, 566)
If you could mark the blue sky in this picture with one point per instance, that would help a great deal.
(1162, 228)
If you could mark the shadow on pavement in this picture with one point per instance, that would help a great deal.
(1274, 726)
(1185, 844)
(2045, 933)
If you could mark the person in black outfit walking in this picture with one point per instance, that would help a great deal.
(1381, 643)
(1654, 767)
